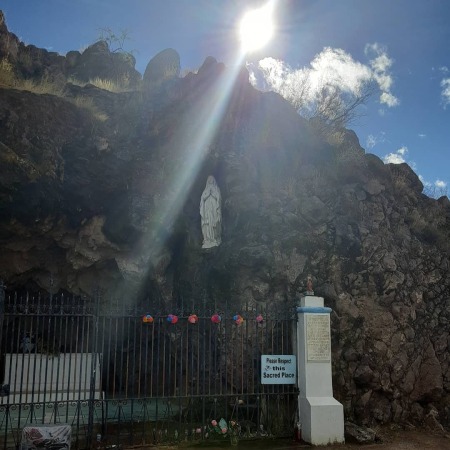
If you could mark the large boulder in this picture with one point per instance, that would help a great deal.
(359, 435)
(162, 67)
(98, 61)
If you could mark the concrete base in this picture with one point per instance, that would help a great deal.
(37, 377)
(322, 420)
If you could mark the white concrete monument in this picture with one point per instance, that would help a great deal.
(321, 416)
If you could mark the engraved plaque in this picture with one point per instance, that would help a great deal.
(318, 340)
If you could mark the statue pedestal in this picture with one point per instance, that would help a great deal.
(321, 416)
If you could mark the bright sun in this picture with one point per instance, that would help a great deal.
(256, 28)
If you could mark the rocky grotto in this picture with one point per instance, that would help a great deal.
(101, 190)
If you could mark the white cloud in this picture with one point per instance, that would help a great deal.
(425, 183)
(333, 68)
(388, 99)
(397, 157)
(422, 136)
(371, 141)
(436, 189)
(393, 158)
(336, 67)
(381, 65)
(252, 78)
(274, 70)
(445, 94)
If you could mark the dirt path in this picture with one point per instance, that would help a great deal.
(416, 439)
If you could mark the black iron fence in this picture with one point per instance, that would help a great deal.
(122, 376)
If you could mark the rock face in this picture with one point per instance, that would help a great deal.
(359, 435)
(114, 204)
(97, 61)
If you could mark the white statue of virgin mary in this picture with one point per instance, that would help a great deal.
(211, 214)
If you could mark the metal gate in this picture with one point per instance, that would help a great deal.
(130, 376)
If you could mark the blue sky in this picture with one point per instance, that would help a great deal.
(404, 43)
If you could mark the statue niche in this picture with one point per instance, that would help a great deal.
(211, 214)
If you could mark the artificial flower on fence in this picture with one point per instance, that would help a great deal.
(216, 318)
(193, 318)
(238, 320)
(171, 318)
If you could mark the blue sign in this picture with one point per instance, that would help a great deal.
(278, 369)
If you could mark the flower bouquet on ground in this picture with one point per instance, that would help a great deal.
(223, 430)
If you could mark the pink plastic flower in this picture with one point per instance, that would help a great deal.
(193, 318)
(216, 318)
(259, 318)
(198, 430)
(214, 423)
(224, 430)
(171, 318)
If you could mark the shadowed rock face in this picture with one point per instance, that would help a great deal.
(115, 204)
(97, 61)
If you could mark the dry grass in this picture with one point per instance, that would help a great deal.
(47, 87)
(7, 77)
(43, 86)
(290, 185)
(88, 104)
(105, 84)
(187, 71)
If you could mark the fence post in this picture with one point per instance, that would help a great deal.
(94, 374)
(2, 315)
(2, 357)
